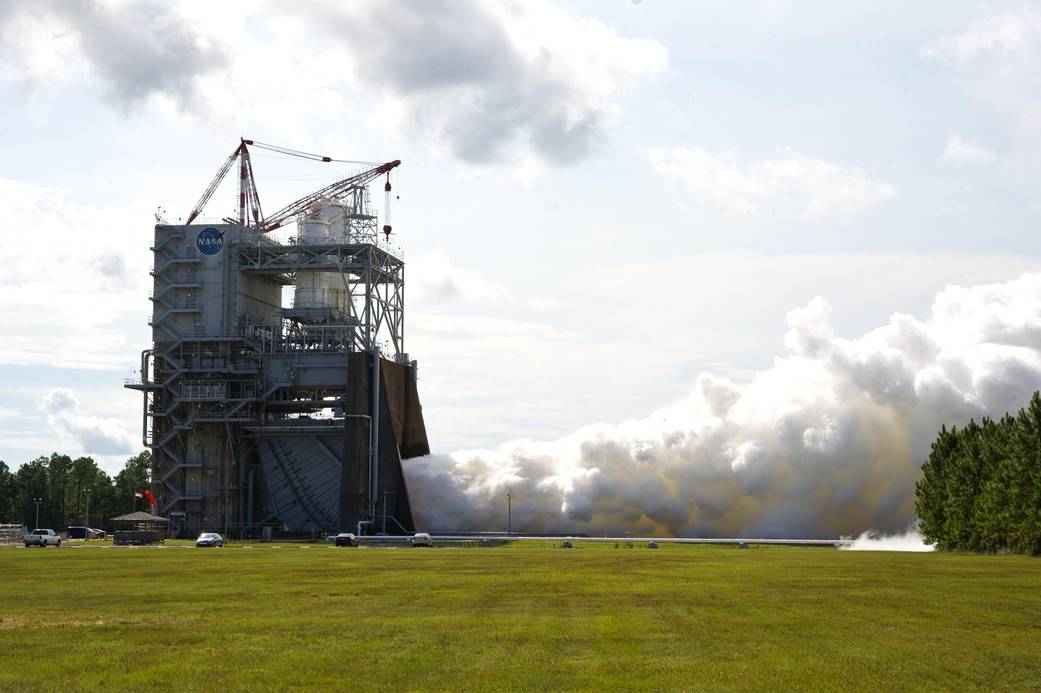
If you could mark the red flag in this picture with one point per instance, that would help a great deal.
(148, 495)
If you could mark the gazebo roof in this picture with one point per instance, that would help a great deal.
(139, 516)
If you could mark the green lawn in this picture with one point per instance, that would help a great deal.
(516, 617)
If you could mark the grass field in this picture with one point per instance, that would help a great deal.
(517, 617)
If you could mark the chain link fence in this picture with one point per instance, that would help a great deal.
(12, 534)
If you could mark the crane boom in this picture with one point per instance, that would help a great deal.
(250, 200)
(208, 193)
(330, 191)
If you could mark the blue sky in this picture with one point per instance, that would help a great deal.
(599, 200)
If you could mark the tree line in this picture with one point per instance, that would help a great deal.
(981, 485)
(68, 488)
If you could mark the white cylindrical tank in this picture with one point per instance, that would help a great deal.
(322, 226)
(333, 213)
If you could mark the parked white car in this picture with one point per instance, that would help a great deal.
(422, 539)
(41, 538)
(210, 539)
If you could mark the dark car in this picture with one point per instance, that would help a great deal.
(346, 539)
(85, 533)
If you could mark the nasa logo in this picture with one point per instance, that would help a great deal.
(210, 241)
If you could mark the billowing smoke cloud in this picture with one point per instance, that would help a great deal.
(826, 442)
(492, 80)
(95, 435)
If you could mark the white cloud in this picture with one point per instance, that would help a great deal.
(544, 303)
(527, 84)
(996, 36)
(8, 414)
(494, 82)
(995, 60)
(129, 51)
(967, 152)
(68, 280)
(825, 442)
(92, 434)
(819, 189)
(433, 278)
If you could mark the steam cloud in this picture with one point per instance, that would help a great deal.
(910, 540)
(827, 442)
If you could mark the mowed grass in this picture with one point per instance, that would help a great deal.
(536, 617)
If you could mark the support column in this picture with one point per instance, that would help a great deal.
(357, 441)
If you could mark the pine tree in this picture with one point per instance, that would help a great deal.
(31, 483)
(991, 518)
(8, 491)
(963, 484)
(931, 489)
(1028, 495)
(981, 485)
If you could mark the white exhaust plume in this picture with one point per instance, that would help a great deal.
(910, 540)
(827, 442)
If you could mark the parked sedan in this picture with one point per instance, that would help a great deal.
(209, 539)
(422, 539)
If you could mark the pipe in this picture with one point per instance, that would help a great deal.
(226, 473)
(249, 495)
(144, 406)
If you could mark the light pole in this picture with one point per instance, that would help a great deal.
(509, 513)
(37, 501)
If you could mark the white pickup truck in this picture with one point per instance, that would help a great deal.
(41, 538)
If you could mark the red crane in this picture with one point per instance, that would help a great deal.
(247, 186)
(249, 201)
(333, 190)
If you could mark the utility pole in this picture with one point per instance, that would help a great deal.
(509, 513)
(37, 501)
